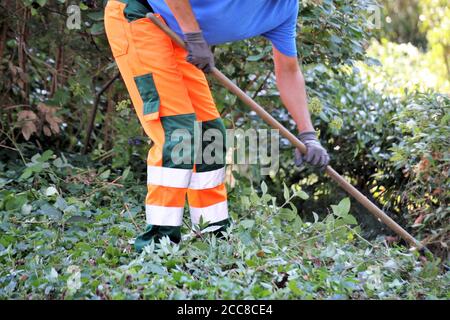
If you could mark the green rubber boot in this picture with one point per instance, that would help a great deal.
(155, 233)
(224, 224)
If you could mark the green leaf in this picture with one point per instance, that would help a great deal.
(316, 217)
(264, 187)
(349, 219)
(342, 209)
(126, 172)
(292, 285)
(41, 2)
(302, 195)
(297, 224)
(96, 15)
(50, 211)
(15, 202)
(287, 214)
(251, 263)
(46, 156)
(105, 175)
(60, 203)
(83, 6)
(97, 29)
(156, 269)
(245, 202)
(28, 172)
(344, 205)
(286, 192)
(202, 246)
(247, 223)
(77, 219)
(210, 229)
(58, 163)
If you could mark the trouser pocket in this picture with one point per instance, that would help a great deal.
(149, 95)
(115, 28)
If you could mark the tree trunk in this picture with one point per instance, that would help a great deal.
(56, 80)
(4, 29)
(108, 128)
(22, 55)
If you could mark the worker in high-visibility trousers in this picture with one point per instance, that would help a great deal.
(170, 93)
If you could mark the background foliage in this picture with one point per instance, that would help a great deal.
(379, 98)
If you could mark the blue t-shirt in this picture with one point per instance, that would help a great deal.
(232, 20)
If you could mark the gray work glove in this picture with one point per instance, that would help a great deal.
(316, 155)
(199, 53)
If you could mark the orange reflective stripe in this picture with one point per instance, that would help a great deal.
(165, 196)
(207, 197)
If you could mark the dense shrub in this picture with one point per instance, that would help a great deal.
(66, 233)
(387, 139)
(423, 155)
(396, 149)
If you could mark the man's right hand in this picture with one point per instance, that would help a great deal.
(199, 53)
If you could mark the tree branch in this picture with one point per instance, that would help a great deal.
(94, 111)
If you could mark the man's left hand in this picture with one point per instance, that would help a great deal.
(316, 155)
(199, 53)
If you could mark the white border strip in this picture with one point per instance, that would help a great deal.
(168, 177)
(164, 216)
(207, 180)
(216, 212)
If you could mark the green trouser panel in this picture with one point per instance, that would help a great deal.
(178, 149)
(136, 9)
(216, 130)
(155, 233)
(149, 94)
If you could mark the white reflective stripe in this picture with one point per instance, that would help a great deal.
(168, 177)
(216, 212)
(164, 216)
(207, 180)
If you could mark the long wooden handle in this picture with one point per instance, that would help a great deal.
(227, 83)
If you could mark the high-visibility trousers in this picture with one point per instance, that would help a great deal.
(170, 96)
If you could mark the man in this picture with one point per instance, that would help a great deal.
(169, 91)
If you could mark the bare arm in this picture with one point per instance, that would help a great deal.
(182, 11)
(291, 84)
